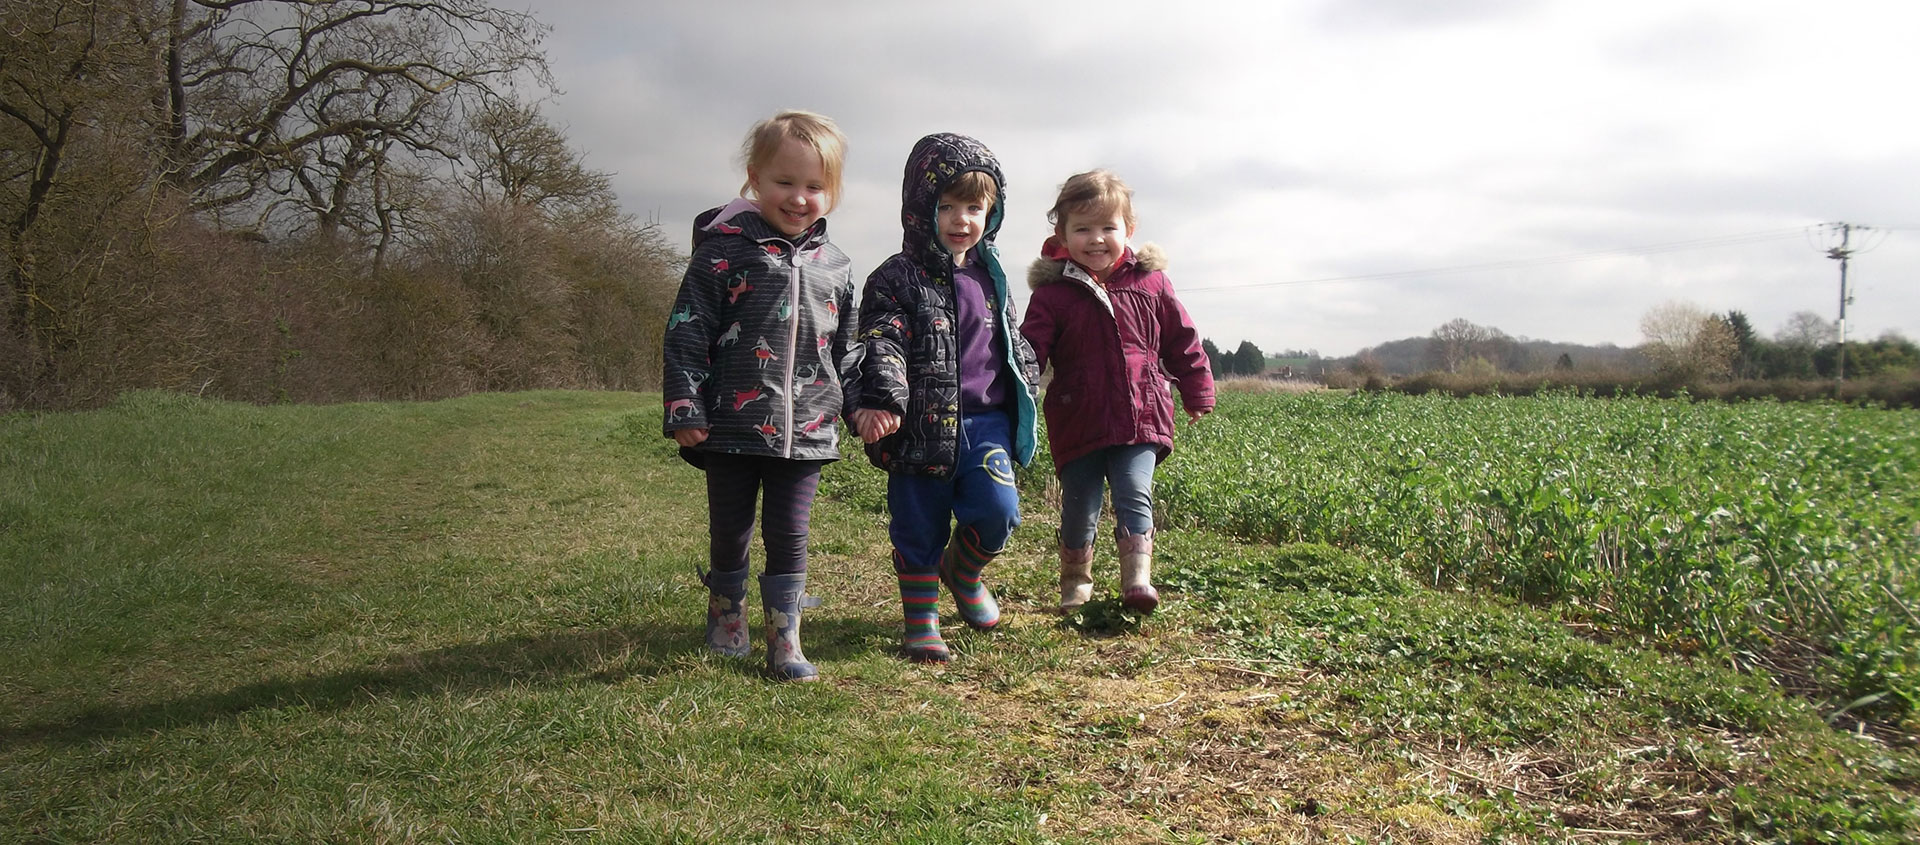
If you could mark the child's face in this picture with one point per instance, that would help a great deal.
(1096, 239)
(961, 223)
(791, 187)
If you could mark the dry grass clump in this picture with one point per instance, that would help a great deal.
(1190, 747)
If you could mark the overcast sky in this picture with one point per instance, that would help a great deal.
(1335, 174)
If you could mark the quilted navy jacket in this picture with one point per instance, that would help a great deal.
(908, 322)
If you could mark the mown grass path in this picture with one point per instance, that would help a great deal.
(475, 620)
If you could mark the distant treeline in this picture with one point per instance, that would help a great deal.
(1686, 350)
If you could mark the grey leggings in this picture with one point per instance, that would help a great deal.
(733, 483)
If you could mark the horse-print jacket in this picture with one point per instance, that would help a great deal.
(760, 345)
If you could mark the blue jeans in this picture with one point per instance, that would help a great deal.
(980, 495)
(1129, 471)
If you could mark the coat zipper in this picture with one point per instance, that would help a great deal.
(793, 347)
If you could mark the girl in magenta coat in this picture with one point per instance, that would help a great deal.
(1104, 317)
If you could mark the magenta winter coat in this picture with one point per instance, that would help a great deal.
(1112, 350)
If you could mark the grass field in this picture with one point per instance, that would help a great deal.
(476, 620)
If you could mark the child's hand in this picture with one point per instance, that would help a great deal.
(873, 425)
(1194, 414)
(689, 437)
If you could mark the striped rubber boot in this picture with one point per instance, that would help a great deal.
(960, 569)
(920, 605)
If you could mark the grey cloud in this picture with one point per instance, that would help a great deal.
(1880, 188)
(1415, 14)
(662, 96)
(1691, 47)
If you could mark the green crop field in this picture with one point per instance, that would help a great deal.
(1785, 536)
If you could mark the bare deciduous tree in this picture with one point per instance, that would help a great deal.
(71, 77)
(1459, 341)
(518, 157)
(135, 135)
(1686, 341)
(1452, 342)
(309, 105)
(1806, 330)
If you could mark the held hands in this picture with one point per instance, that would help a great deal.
(689, 437)
(873, 425)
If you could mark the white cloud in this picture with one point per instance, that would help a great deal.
(1276, 143)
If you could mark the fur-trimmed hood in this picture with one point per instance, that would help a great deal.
(1052, 265)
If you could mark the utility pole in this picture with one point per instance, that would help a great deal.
(1841, 253)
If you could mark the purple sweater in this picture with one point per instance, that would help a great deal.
(983, 374)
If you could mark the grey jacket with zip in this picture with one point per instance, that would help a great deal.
(761, 340)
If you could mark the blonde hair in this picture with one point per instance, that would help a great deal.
(815, 130)
(972, 186)
(1096, 192)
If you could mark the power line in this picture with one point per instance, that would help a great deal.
(1650, 249)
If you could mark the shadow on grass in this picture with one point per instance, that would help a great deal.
(1103, 617)
(608, 656)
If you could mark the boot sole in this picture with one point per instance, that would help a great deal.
(1069, 607)
(801, 679)
(923, 656)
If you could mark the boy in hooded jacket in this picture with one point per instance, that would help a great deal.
(1105, 318)
(946, 388)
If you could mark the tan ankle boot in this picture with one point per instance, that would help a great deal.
(1076, 577)
(1136, 573)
